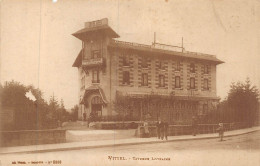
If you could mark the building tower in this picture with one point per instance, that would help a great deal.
(92, 67)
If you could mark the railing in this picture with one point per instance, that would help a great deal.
(168, 47)
(95, 81)
(174, 130)
(92, 62)
(164, 47)
(200, 54)
(132, 44)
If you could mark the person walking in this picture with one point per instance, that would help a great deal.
(220, 130)
(194, 125)
(84, 116)
(158, 127)
(166, 125)
(146, 130)
(162, 130)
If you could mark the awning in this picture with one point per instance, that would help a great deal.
(139, 95)
(94, 89)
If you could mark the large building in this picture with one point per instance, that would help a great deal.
(142, 81)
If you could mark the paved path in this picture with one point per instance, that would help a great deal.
(92, 135)
(115, 142)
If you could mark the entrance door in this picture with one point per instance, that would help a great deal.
(97, 110)
(96, 106)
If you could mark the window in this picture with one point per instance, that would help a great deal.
(161, 81)
(160, 65)
(206, 69)
(206, 85)
(192, 83)
(144, 79)
(99, 22)
(95, 76)
(144, 63)
(192, 68)
(126, 77)
(178, 66)
(126, 61)
(177, 82)
(95, 54)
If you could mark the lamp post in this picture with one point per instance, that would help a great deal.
(190, 98)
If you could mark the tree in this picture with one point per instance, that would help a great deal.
(28, 114)
(53, 108)
(62, 112)
(123, 106)
(242, 103)
(74, 113)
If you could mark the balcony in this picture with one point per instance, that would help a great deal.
(93, 62)
(95, 81)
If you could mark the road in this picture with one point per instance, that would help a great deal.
(236, 150)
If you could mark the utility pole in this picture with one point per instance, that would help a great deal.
(154, 38)
(182, 44)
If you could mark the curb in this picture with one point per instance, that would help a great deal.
(125, 144)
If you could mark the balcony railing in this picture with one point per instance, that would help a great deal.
(95, 81)
(93, 62)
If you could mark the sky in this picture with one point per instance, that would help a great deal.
(37, 47)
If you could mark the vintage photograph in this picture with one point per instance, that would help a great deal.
(129, 82)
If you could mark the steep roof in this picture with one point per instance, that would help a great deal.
(95, 88)
(85, 33)
(78, 60)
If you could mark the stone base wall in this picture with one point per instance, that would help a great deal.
(32, 137)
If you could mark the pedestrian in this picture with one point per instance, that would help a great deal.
(220, 130)
(84, 116)
(158, 127)
(162, 130)
(166, 125)
(146, 130)
(194, 125)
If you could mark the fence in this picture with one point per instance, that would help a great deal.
(174, 130)
(32, 137)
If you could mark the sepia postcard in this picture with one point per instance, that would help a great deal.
(129, 82)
